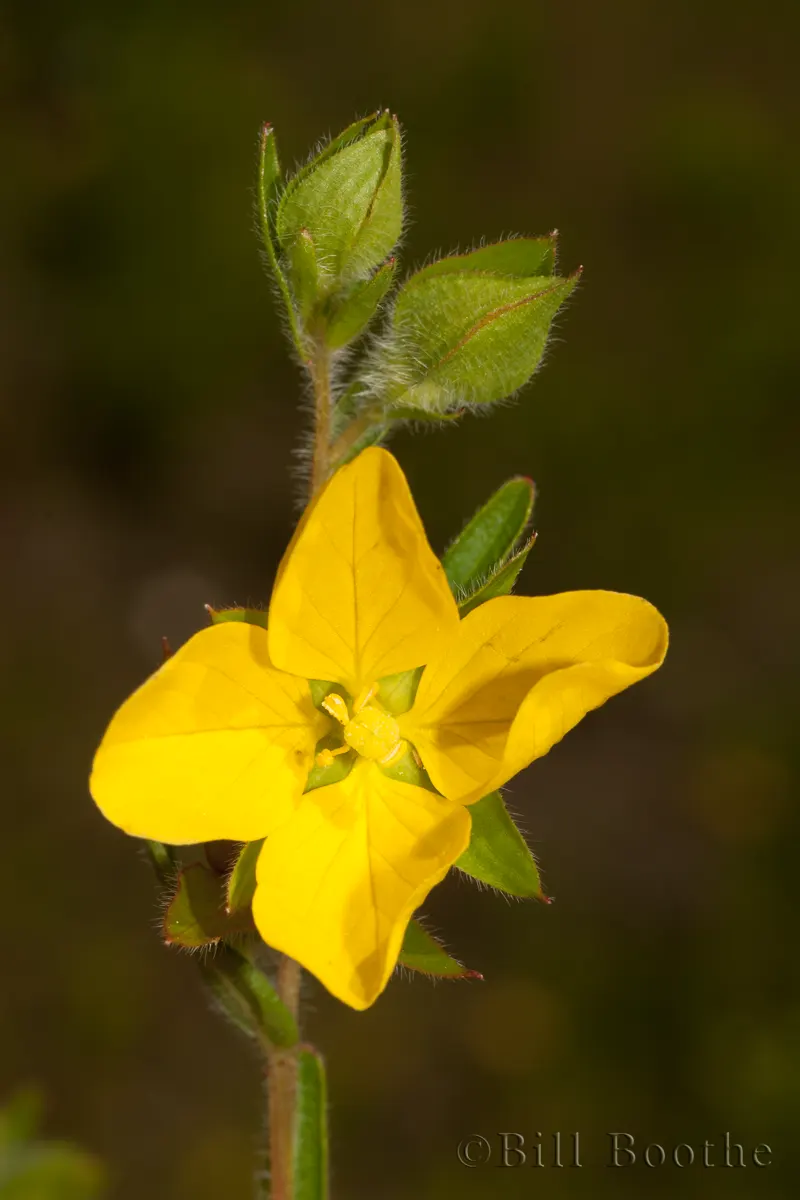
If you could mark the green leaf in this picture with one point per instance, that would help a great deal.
(497, 853)
(469, 337)
(405, 412)
(303, 272)
(490, 536)
(241, 885)
(196, 914)
(521, 257)
(49, 1171)
(245, 995)
(349, 200)
(500, 582)
(353, 311)
(421, 952)
(310, 1165)
(251, 616)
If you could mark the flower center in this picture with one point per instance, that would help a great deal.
(370, 731)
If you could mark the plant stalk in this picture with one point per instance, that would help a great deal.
(319, 366)
(282, 1089)
(282, 1064)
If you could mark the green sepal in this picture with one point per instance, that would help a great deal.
(269, 184)
(241, 885)
(500, 582)
(339, 769)
(196, 914)
(354, 309)
(250, 616)
(163, 860)
(467, 337)
(351, 134)
(245, 994)
(310, 1151)
(396, 692)
(349, 199)
(269, 188)
(303, 273)
(519, 257)
(421, 952)
(497, 854)
(409, 769)
(489, 537)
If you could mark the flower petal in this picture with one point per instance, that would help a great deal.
(518, 674)
(215, 744)
(359, 594)
(337, 884)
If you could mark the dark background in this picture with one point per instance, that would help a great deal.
(149, 416)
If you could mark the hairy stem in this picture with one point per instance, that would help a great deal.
(354, 431)
(282, 1064)
(320, 368)
(281, 1090)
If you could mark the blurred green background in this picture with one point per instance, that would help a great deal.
(149, 417)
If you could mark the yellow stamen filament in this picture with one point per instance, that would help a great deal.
(325, 757)
(364, 696)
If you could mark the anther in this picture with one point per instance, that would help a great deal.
(325, 757)
(336, 706)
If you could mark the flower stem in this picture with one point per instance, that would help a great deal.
(320, 368)
(282, 1089)
(282, 1064)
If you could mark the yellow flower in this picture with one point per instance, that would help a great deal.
(218, 743)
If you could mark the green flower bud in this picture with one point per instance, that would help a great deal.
(472, 328)
(347, 202)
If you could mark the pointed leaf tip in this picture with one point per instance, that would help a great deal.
(490, 536)
(500, 581)
(498, 855)
(241, 886)
(459, 334)
(423, 953)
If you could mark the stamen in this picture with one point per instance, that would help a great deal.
(336, 706)
(364, 696)
(394, 755)
(325, 757)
